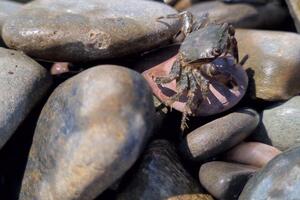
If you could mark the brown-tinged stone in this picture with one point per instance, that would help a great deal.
(219, 135)
(279, 179)
(84, 30)
(160, 176)
(90, 132)
(242, 15)
(252, 153)
(225, 180)
(23, 83)
(280, 124)
(273, 64)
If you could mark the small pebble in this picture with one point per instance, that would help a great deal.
(219, 135)
(252, 153)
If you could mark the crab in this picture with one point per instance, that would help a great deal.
(193, 69)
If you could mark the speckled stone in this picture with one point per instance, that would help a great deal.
(281, 124)
(219, 135)
(273, 64)
(23, 83)
(294, 9)
(241, 15)
(83, 30)
(280, 179)
(160, 176)
(90, 132)
(225, 180)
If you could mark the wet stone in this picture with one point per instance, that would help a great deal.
(273, 64)
(84, 30)
(225, 180)
(281, 125)
(23, 83)
(241, 15)
(280, 179)
(90, 132)
(160, 175)
(219, 135)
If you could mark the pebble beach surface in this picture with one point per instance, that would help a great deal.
(149, 100)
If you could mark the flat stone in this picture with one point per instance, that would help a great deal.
(252, 153)
(281, 124)
(23, 83)
(83, 30)
(219, 135)
(241, 15)
(160, 175)
(273, 64)
(294, 9)
(225, 180)
(280, 179)
(90, 132)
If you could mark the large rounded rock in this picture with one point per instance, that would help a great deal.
(160, 175)
(81, 30)
(280, 179)
(241, 15)
(225, 180)
(219, 135)
(89, 133)
(273, 62)
(23, 83)
(281, 124)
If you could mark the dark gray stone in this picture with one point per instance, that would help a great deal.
(90, 132)
(242, 15)
(82, 30)
(281, 125)
(160, 175)
(219, 135)
(225, 180)
(23, 83)
(280, 179)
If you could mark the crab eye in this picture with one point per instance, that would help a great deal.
(216, 51)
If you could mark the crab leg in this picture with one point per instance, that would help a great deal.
(182, 85)
(174, 74)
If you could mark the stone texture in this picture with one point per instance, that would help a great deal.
(8, 8)
(225, 180)
(23, 83)
(280, 179)
(294, 9)
(82, 30)
(90, 132)
(219, 135)
(242, 15)
(160, 175)
(273, 62)
(281, 124)
(252, 153)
